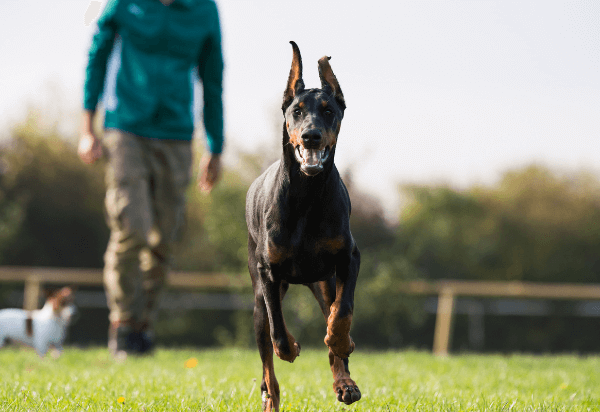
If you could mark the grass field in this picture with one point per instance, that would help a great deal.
(229, 379)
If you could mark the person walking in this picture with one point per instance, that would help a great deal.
(143, 60)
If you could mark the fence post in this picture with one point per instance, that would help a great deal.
(443, 322)
(32, 293)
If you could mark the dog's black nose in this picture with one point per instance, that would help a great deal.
(311, 137)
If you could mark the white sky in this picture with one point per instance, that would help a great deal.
(437, 91)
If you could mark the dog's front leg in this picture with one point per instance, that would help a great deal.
(340, 318)
(56, 351)
(41, 348)
(284, 344)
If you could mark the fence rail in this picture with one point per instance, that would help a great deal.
(35, 278)
(448, 291)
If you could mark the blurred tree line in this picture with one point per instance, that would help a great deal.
(534, 225)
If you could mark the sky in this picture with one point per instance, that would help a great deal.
(438, 92)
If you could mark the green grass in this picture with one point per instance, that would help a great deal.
(229, 379)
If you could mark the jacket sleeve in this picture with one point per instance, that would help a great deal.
(99, 52)
(210, 71)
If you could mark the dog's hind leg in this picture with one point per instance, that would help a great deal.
(345, 388)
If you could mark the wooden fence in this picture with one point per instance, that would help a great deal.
(35, 278)
(446, 291)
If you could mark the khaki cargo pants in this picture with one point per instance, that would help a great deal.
(145, 202)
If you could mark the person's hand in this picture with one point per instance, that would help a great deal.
(90, 148)
(210, 172)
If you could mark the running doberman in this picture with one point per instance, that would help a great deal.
(298, 214)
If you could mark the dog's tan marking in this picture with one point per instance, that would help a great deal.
(338, 338)
(277, 254)
(270, 399)
(330, 245)
(295, 137)
(324, 103)
(329, 138)
(337, 368)
(301, 105)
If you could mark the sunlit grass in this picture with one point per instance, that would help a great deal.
(228, 380)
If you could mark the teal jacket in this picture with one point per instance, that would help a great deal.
(143, 61)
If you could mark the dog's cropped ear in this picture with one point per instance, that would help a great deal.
(295, 83)
(329, 81)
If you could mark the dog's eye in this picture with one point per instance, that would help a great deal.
(297, 112)
(328, 112)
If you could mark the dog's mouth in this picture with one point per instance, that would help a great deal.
(311, 160)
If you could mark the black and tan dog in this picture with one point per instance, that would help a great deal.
(298, 215)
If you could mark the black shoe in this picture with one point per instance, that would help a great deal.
(123, 341)
(146, 344)
(119, 341)
(139, 343)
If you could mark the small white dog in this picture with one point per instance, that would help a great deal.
(41, 328)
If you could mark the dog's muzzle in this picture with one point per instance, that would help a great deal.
(311, 160)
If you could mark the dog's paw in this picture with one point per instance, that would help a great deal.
(287, 355)
(270, 403)
(347, 391)
(340, 346)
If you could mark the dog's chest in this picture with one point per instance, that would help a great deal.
(304, 258)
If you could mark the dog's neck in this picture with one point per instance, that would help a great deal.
(47, 311)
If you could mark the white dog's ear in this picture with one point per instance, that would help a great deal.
(66, 291)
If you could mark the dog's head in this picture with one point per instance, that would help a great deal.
(312, 116)
(63, 303)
